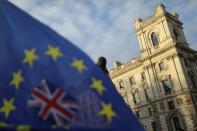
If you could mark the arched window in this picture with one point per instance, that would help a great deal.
(177, 124)
(154, 39)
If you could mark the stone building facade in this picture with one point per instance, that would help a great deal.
(161, 85)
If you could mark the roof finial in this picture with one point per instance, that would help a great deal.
(160, 9)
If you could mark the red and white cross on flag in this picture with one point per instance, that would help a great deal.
(53, 104)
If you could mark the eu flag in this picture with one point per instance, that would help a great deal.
(46, 83)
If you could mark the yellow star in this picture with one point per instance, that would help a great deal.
(79, 65)
(30, 57)
(24, 128)
(54, 52)
(98, 85)
(3, 124)
(7, 107)
(17, 79)
(107, 111)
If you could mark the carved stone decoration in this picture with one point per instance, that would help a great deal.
(124, 93)
(133, 89)
(157, 67)
(163, 77)
(166, 66)
(179, 101)
(143, 84)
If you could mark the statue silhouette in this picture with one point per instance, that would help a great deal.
(102, 62)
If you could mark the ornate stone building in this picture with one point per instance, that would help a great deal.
(161, 85)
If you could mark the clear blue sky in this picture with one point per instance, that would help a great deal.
(105, 27)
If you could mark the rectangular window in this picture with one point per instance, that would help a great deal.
(143, 75)
(132, 80)
(161, 66)
(121, 84)
(167, 86)
(154, 126)
(151, 112)
(186, 62)
(171, 105)
(193, 80)
(136, 98)
(138, 113)
(148, 94)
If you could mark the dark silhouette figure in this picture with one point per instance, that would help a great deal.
(102, 64)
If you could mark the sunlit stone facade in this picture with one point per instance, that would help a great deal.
(161, 85)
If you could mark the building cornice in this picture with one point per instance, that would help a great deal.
(158, 52)
(139, 62)
(127, 67)
(121, 70)
(151, 19)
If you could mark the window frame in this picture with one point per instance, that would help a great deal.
(154, 39)
(171, 105)
(132, 80)
(180, 126)
(122, 86)
(154, 125)
(143, 76)
(138, 113)
(136, 95)
(151, 111)
(148, 96)
(192, 79)
(185, 62)
(166, 87)
(176, 35)
(161, 66)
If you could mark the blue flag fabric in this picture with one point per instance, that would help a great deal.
(48, 83)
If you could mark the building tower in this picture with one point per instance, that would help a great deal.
(160, 86)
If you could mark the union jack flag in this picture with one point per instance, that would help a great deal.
(61, 109)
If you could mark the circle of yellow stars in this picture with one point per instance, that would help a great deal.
(30, 58)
